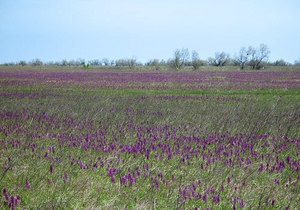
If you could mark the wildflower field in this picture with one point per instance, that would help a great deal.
(88, 139)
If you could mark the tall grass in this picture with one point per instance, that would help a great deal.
(77, 147)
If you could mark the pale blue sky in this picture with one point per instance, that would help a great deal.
(53, 30)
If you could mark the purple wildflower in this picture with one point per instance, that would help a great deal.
(242, 204)
(288, 159)
(51, 169)
(204, 198)
(28, 186)
(5, 194)
(235, 199)
(66, 176)
(273, 202)
(228, 180)
(267, 201)
(261, 168)
(217, 198)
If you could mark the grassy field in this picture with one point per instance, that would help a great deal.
(108, 139)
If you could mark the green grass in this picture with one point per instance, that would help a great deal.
(219, 120)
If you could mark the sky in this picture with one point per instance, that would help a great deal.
(53, 30)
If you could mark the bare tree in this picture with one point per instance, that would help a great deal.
(95, 62)
(64, 62)
(22, 63)
(37, 62)
(154, 63)
(80, 62)
(280, 62)
(180, 58)
(72, 62)
(297, 62)
(242, 58)
(121, 62)
(105, 62)
(132, 62)
(196, 62)
(220, 59)
(257, 56)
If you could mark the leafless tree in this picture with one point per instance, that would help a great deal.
(95, 62)
(280, 62)
(37, 62)
(258, 56)
(196, 62)
(80, 62)
(22, 63)
(180, 58)
(154, 63)
(220, 59)
(242, 58)
(105, 62)
(64, 62)
(132, 62)
(297, 62)
(121, 62)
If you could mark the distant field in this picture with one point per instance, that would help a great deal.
(73, 138)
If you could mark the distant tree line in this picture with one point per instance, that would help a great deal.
(255, 58)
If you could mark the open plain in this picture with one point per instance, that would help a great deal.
(74, 138)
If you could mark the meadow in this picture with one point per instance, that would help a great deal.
(74, 138)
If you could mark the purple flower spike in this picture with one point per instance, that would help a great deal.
(235, 199)
(242, 204)
(14, 200)
(51, 169)
(28, 186)
(228, 180)
(288, 159)
(5, 194)
(66, 175)
(261, 168)
(267, 201)
(217, 198)
(204, 198)
(273, 202)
